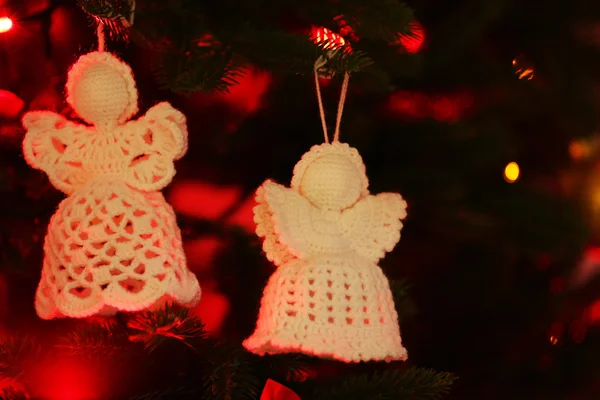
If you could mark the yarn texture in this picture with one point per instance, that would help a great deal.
(113, 244)
(326, 233)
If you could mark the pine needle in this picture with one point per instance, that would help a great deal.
(15, 353)
(94, 340)
(411, 384)
(153, 328)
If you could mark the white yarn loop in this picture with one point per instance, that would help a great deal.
(101, 38)
(344, 92)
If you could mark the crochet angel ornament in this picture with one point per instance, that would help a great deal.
(113, 244)
(326, 233)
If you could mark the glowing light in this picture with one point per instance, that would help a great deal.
(5, 24)
(329, 39)
(511, 172)
(553, 339)
(579, 150)
(523, 72)
(413, 41)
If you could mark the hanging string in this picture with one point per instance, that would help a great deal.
(100, 33)
(320, 63)
(338, 122)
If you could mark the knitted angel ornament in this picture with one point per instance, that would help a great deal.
(113, 244)
(326, 233)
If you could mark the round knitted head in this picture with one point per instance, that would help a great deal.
(332, 176)
(101, 89)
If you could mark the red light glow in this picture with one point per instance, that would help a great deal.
(5, 24)
(413, 42)
(329, 39)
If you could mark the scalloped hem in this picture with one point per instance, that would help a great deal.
(384, 348)
(47, 309)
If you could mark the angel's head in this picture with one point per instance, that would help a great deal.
(101, 89)
(331, 176)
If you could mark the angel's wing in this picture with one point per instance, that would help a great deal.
(373, 224)
(277, 252)
(292, 227)
(52, 145)
(152, 143)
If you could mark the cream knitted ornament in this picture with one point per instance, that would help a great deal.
(113, 244)
(326, 233)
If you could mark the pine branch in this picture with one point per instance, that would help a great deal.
(12, 394)
(154, 328)
(377, 19)
(113, 14)
(15, 353)
(202, 47)
(95, 340)
(172, 393)
(294, 367)
(104, 9)
(230, 374)
(411, 384)
(199, 69)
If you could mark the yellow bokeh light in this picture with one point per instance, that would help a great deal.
(511, 172)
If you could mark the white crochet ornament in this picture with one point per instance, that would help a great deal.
(328, 298)
(113, 244)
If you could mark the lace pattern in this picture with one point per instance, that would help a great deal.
(328, 297)
(113, 244)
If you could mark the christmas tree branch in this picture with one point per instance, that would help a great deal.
(172, 323)
(411, 384)
(203, 47)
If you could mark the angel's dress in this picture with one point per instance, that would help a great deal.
(328, 298)
(113, 244)
(109, 248)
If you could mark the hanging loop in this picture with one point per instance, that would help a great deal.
(101, 39)
(344, 92)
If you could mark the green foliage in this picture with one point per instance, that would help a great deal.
(203, 46)
(16, 353)
(153, 328)
(206, 369)
(411, 384)
(13, 394)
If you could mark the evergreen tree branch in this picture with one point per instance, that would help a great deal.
(199, 69)
(172, 393)
(154, 328)
(15, 354)
(229, 373)
(203, 47)
(95, 340)
(411, 384)
(13, 394)
(113, 14)
(381, 20)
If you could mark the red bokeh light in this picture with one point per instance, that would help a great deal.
(443, 107)
(67, 379)
(330, 40)
(593, 312)
(413, 42)
(5, 24)
(11, 105)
